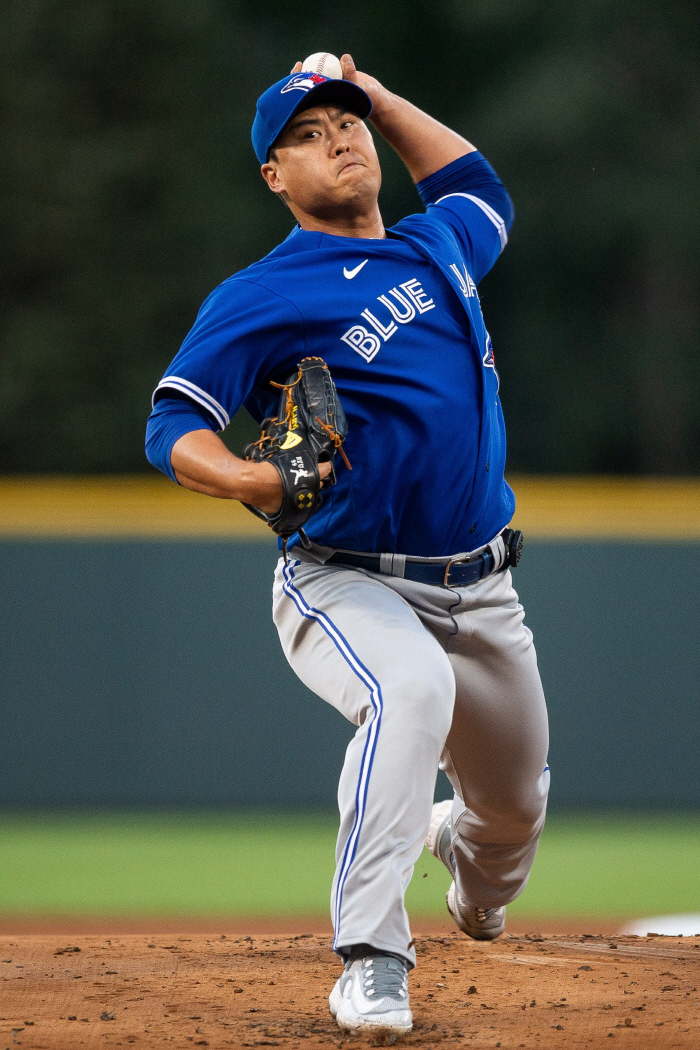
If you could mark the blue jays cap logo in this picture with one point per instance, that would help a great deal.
(304, 82)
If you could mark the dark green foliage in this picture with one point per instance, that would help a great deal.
(131, 189)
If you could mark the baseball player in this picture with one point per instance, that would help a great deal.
(396, 603)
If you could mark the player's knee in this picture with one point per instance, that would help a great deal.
(519, 813)
(523, 814)
(528, 813)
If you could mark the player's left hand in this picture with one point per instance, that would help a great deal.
(381, 98)
(300, 443)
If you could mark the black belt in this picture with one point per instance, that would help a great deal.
(459, 572)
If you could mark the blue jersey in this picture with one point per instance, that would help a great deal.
(399, 324)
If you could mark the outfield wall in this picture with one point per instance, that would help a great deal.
(141, 667)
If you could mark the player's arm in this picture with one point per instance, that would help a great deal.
(448, 170)
(241, 332)
(181, 443)
(201, 462)
(423, 143)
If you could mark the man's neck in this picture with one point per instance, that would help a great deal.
(361, 225)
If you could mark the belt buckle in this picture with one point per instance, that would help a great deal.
(451, 562)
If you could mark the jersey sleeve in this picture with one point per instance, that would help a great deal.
(468, 197)
(243, 334)
(168, 422)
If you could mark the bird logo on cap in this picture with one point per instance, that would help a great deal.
(304, 82)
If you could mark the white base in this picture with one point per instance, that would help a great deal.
(669, 925)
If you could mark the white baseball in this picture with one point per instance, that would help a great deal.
(325, 63)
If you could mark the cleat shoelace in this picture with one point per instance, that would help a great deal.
(384, 976)
(484, 914)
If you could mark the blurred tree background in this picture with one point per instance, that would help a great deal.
(130, 190)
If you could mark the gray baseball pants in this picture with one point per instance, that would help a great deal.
(432, 677)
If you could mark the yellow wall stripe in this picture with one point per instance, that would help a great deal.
(657, 509)
(123, 506)
(549, 507)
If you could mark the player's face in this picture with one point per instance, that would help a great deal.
(326, 164)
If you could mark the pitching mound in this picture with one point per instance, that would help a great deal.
(529, 991)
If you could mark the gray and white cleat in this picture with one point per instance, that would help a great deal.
(372, 994)
(439, 837)
(482, 924)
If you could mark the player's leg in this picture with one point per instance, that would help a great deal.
(496, 752)
(361, 647)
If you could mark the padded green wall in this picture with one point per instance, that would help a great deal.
(149, 672)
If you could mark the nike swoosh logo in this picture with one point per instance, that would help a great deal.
(353, 273)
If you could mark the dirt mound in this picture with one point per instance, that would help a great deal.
(216, 991)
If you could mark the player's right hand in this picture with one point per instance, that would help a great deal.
(377, 92)
(381, 98)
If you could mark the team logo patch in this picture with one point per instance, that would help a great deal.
(304, 82)
(489, 360)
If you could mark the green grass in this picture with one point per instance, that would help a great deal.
(198, 864)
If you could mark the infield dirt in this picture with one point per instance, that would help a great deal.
(525, 991)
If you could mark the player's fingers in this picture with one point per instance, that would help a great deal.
(296, 68)
(348, 67)
(324, 470)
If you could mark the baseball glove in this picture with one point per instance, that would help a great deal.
(309, 428)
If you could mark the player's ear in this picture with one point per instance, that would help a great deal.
(272, 177)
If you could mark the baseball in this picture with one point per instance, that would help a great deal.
(325, 63)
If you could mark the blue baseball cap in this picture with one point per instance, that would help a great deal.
(299, 91)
